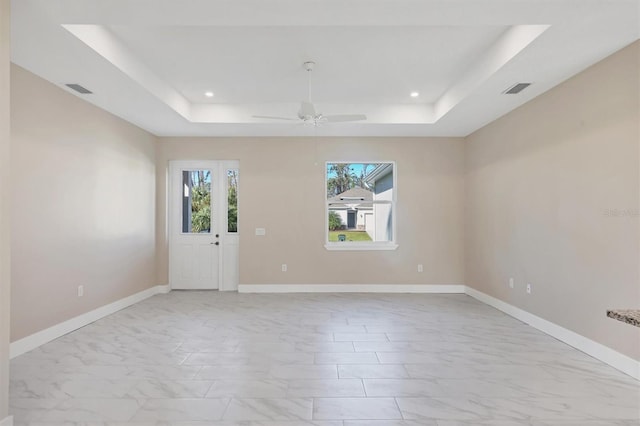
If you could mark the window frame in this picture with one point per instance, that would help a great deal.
(362, 245)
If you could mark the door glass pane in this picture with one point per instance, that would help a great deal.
(196, 201)
(232, 200)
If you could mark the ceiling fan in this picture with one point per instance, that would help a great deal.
(308, 114)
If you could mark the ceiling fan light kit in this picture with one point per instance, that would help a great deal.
(308, 114)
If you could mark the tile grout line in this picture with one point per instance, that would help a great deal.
(395, 400)
(213, 382)
(225, 409)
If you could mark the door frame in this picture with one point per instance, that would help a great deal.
(227, 273)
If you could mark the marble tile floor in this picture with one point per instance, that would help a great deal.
(229, 359)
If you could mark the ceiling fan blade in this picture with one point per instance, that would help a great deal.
(344, 118)
(268, 117)
(307, 110)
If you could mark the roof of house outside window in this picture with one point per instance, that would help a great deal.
(354, 196)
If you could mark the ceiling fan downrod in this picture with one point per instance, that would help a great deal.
(308, 66)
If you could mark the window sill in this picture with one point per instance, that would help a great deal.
(360, 247)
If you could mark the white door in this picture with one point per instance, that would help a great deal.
(203, 243)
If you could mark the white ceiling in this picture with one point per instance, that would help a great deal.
(150, 61)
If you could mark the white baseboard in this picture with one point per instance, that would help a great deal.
(7, 421)
(603, 353)
(350, 288)
(163, 289)
(31, 342)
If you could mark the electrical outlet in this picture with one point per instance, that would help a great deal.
(261, 232)
(80, 290)
(528, 288)
(284, 267)
(420, 268)
(512, 283)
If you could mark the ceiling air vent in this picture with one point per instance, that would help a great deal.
(79, 88)
(516, 88)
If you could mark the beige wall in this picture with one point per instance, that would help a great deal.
(82, 204)
(282, 190)
(540, 186)
(5, 274)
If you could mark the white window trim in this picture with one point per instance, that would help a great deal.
(354, 246)
(361, 246)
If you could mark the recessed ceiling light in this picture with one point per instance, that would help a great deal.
(415, 94)
(208, 94)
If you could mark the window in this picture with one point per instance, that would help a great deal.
(232, 200)
(360, 206)
(196, 201)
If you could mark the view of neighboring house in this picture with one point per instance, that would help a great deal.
(354, 208)
(361, 209)
(381, 180)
